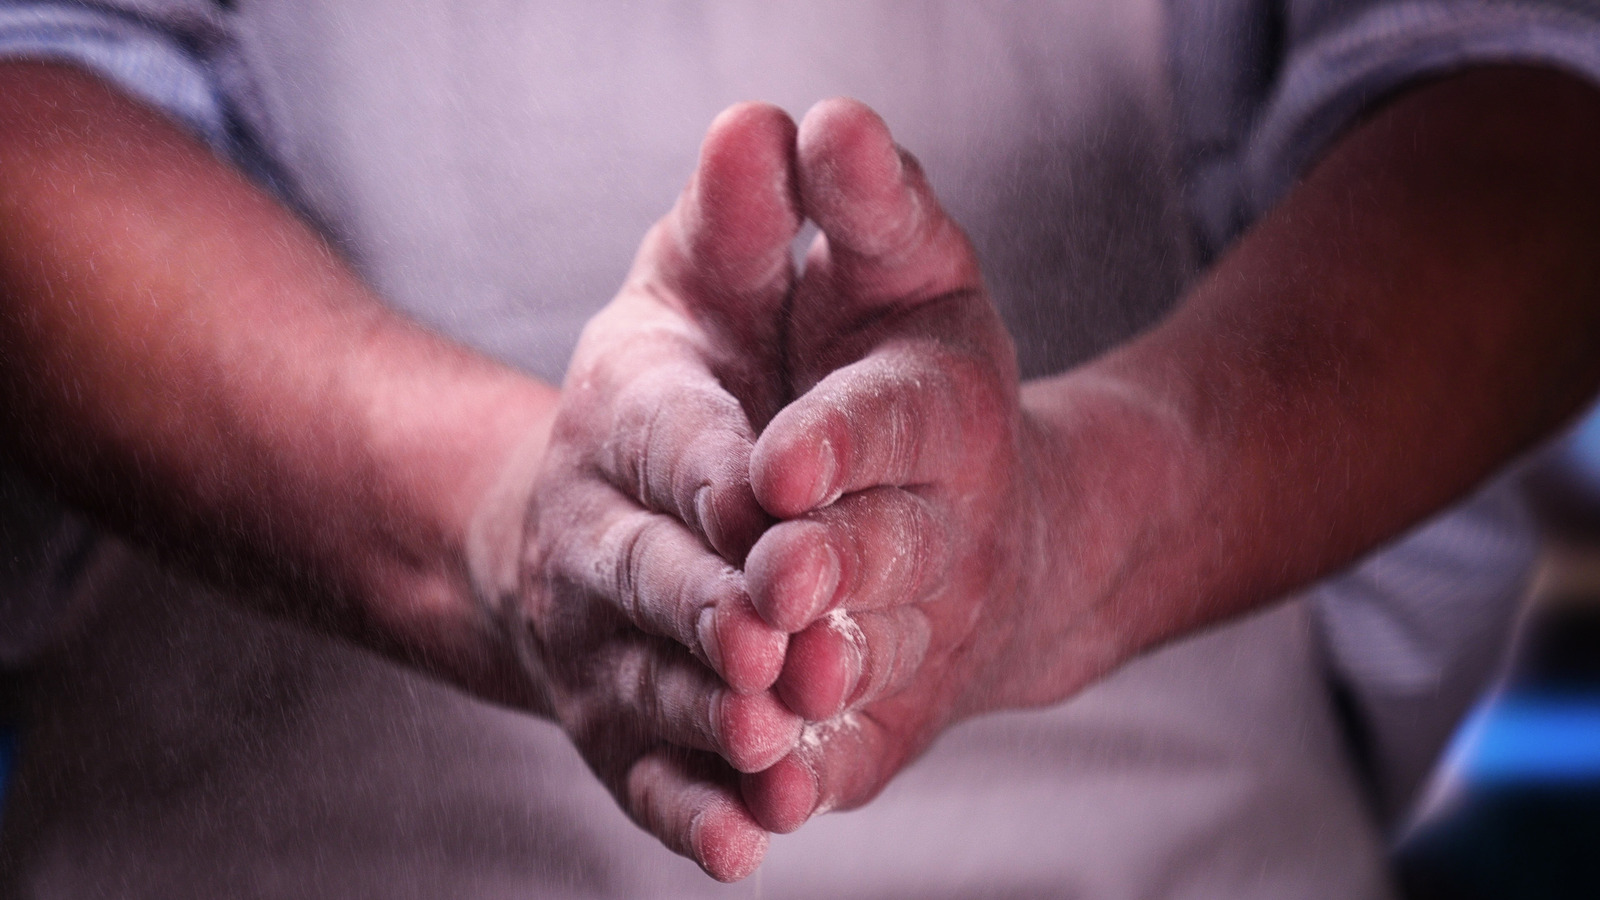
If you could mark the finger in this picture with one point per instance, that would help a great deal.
(653, 573)
(680, 439)
(839, 764)
(846, 660)
(886, 233)
(671, 698)
(868, 550)
(907, 414)
(728, 237)
(696, 814)
(680, 444)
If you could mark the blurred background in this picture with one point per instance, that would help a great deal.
(1514, 807)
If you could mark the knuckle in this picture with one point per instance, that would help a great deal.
(707, 445)
(911, 633)
(639, 685)
(598, 709)
(621, 566)
(900, 541)
(673, 432)
(622, 686)
(653, 585)
(925, 541)
(558, 610)
(628, 449)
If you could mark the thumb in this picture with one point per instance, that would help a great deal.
(724, 250)
(886, 241)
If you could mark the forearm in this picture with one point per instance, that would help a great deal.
(188, 361)
(1420, 309)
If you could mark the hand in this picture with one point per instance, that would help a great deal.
(1302, 404)
(635, 616)
(905, 474)
(211, 386)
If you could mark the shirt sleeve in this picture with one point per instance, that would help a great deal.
(163, 62)
(1340, 67)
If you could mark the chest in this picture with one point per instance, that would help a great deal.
(491, 165)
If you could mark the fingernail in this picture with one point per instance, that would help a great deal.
(705, 512)
(827, 466)
(766, 730)
(811, 741)
(717, 702)
(706, 630)
(816, 790)
(854, 640)
(825, 561)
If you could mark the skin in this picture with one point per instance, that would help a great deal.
(644, 504)
(1424, 305)
(187, 361)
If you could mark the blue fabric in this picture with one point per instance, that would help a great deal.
(1263, 86)
(136, 55)
(1333, 79)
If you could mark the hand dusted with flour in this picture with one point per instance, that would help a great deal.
(658, 663)
(904, 470)
(955, 544)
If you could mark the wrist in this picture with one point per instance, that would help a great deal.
(1109, 462)
(453, 442)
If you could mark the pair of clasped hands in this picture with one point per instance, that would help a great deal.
(778, 509)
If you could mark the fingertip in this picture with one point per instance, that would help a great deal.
(793, 575)
(756, 730)
(742, 206)
(844, 128)
(746, 146)
(750, 120)
(747, 143)
(820, 671)
(795, 466)
(746, 651)
(782, 797)
(695, 811)
(730, 518)
(852, 178)
(727, 841)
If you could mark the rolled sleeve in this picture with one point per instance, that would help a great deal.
(1335, 76)
(154, 61)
